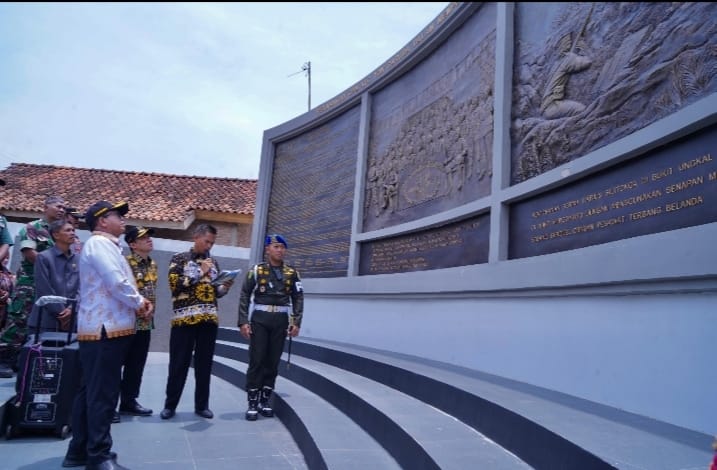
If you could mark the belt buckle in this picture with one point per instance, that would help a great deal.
(273, 308)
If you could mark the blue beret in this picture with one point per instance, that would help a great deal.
(275, 238)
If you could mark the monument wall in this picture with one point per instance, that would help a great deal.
(523, 189)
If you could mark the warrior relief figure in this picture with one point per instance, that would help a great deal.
(390, 191)
(455, 167)
(372, 185)
(554, 104)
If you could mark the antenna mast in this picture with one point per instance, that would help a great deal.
(306, 68)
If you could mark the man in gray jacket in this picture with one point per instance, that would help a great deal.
(56, 273)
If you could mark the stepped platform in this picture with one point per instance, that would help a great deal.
(410, 433)
(542, 428)
(341, 406)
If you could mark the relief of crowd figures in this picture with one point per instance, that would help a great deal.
(605, 71)
(439, 159)
(436, 154)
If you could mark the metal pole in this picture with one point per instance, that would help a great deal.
(307, 67)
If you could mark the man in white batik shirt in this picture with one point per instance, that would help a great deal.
(108, 308)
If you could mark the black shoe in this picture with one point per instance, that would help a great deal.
(6, 372)
(74, 461)
(115, 417)
(204, 413)
(166, 413)
(80, 461)
(9, 354)
(106, 465)
(134, 409)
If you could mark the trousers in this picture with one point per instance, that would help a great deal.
(265, 348)
(184, 342)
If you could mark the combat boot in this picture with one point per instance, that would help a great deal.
(264, 407)
(252, 413)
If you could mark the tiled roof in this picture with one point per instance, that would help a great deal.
(151, 196)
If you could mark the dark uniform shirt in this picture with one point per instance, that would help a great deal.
(267, 285)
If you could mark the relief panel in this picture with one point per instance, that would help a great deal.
(431, 131)
(588, 74)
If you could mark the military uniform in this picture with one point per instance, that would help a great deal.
(36, 236)
(277, 300)
(5, 237)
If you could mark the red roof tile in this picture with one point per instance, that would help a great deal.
(151, 196)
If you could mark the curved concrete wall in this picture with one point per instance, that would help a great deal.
(620, 316)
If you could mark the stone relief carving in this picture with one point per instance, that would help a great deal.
(442, 153)
(604, 71)
(437, 152)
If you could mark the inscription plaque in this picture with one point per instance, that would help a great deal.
(456, 244)
(672, 187)
(312, 196)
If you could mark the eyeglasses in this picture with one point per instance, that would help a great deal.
(121, 217)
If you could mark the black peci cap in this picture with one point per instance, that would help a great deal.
(100, 208)
(132, 233)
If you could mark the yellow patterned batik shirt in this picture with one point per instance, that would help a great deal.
(194, 298)
(145, 275)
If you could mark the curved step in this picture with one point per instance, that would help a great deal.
(444, 442)
(327, 438)
(547, 429)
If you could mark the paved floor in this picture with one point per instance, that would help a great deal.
(185, 442)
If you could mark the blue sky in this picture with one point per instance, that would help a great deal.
(179, 88)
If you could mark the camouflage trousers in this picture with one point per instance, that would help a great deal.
(18, 311)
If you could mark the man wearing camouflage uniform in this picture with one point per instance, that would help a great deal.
(34, 238)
